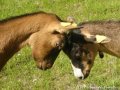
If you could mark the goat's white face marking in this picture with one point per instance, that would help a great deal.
(77, 72)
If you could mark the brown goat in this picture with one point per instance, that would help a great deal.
(92, 37)
(44, 32)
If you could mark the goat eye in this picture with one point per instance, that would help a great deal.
(88, 56)
(59, 45)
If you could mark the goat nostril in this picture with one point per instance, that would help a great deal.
(81, 77)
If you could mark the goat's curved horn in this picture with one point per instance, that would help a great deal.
(68, 24)
(65, 24)
(67, 27)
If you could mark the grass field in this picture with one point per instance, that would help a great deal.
(20, 73)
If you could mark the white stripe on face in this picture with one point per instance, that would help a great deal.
(77, 72)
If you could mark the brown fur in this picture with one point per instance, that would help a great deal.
(109, 29)
(84, 52)
(39, 30)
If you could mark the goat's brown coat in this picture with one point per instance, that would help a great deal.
(110, 29)
(36, 30)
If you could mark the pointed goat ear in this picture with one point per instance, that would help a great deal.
(102, 39)
(97, 38)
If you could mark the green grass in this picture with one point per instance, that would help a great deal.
(20, 73)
